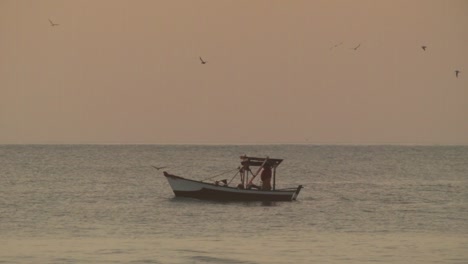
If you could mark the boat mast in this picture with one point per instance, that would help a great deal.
(274, 177)
(246, 179)
(244, 172)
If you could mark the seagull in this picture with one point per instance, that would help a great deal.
(158, 168)
(202, 61)
(355, 48)
(456, 73)
(52, 23)
(424, 47)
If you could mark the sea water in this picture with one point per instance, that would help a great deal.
(107, 204)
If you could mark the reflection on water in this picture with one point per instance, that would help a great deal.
(269, 203)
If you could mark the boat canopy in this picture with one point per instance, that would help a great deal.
(254, 161)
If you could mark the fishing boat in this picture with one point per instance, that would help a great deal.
(246, 190)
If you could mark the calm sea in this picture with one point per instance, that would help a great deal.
(106, 204)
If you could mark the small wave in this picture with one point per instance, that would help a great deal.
(342, 198)
(192, 251)
(65, 260)
(146, 261)
(209, 259)
(307, 199)
(111, 251)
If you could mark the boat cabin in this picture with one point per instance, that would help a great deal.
(259, 164)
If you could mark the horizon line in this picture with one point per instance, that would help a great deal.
(235, 144)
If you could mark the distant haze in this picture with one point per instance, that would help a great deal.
(123, 72)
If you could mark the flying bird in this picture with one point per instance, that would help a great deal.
(456, 73)
(202, 61)
(52, 23)
(424, 47)
(337, 45)
(357, 47)
(158, 168)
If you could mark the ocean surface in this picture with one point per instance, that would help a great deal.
(107, 204)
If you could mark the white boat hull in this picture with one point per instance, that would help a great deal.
(196, 189)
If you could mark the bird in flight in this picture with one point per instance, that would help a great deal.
(337, 45)
(52, 23)
(456, 73)
(158, 168)
(202, 61)
(357, 47)
(424, 47)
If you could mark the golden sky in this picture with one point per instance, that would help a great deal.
(123, 72)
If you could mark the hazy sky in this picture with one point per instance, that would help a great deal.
(277, 72)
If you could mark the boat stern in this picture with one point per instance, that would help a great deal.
(296, 193)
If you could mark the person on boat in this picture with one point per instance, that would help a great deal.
(243, 170)
(266, 177)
